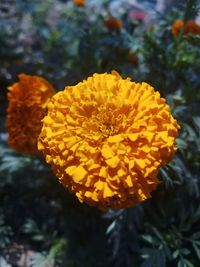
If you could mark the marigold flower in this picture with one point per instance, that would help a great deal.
(190, 27)
(176, 27)
(113, 23)
(106, 139)
(27, 106)
(79, 2)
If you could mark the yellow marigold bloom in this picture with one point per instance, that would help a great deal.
(106, 139)
(27, 106)
(79, 2)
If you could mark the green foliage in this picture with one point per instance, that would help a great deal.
(66, 46)
(5, 232)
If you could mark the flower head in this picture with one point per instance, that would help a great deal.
(190, 27)
(176, 27)
(27, 106)
(79, 2)
(106, 139)
(113, 23)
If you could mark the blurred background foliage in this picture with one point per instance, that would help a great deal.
(66, 43)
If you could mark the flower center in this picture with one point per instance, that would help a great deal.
(106, 122)
(107, 129)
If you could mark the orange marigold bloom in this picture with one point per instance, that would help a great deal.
(106, 139)
(176, 27)
(113, 23)
(79, 2)
(190, 27)
(27, 106)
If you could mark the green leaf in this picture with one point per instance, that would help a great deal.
(188, 263)
(181, 263)
(197, 249)
(37, 237)
(184, 251)
(148, 238)
(175, 254)
(41, 260)
(111, 227)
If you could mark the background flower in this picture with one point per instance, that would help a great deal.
(190, 27)
(79, 2)
(113, 23)
(27, 106)
(106, 139)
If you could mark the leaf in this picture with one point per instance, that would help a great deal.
(181, 263)
(111, 227)
(148, 238)
(182, 144)
(148, 263)
(191, 132)
(184, 251)
(147, 252)
(188, 263)
(166, 177)
(11, 162)
(196, 120)
(30, 227)
(197, 249)
(41, 260)
(175, 254)
(37, 237)
(157, 233)
(57, 248)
